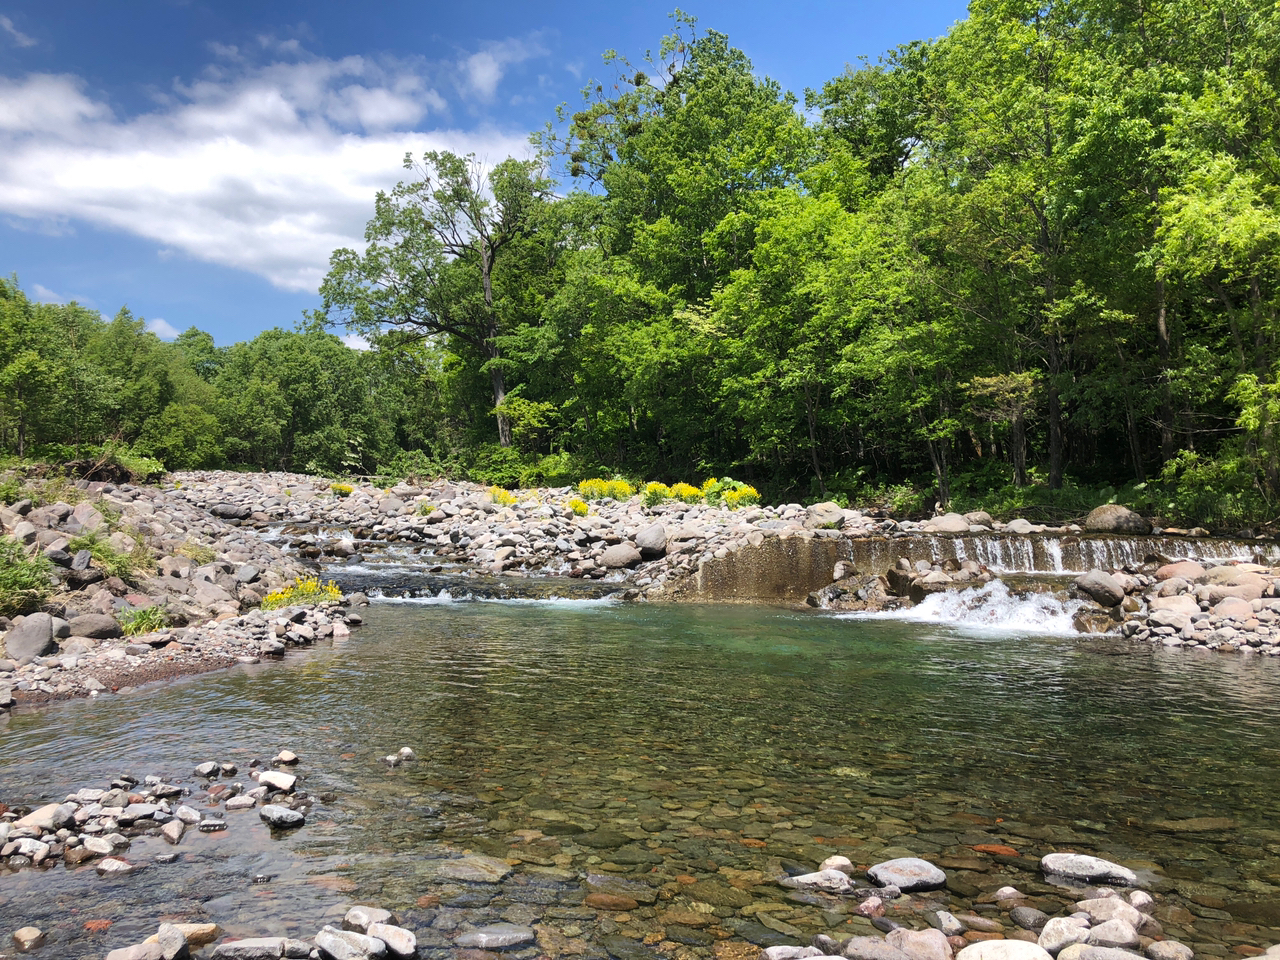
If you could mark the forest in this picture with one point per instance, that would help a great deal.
(1030, 265)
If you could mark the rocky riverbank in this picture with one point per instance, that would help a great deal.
(203, 551)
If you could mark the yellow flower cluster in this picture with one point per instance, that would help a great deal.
(578, 506)
(656, 493)
(597, 489)
(686, 493)
(503, 498)
(308, 590)
(744, 496)
(342, 489)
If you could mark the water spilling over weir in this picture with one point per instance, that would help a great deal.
(1051, 552)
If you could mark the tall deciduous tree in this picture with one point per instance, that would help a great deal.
(436, 246)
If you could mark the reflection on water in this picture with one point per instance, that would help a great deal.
(659, 743)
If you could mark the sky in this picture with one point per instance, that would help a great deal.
(199, 160)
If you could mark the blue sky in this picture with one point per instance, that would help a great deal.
(198, 160)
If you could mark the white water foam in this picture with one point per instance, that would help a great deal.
(989, 608)
(445, 597)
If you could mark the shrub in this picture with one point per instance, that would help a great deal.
(342, 489)
(717, 492)
(425, 509)
(686, 493)
(24, 580)
(498, 495)
(579, 507)
(744, 495)
(594, 489)
(308, 590)
(498, 466)
(655, 493)
(619, 489)
(145, 620)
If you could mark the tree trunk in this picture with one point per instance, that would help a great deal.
(1018, 450)
(500, 394)
(813, 440)
(1055, 416)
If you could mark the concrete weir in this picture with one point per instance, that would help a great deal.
(779, 570)
(787, 569)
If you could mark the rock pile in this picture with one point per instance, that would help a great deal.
(1229, 607)
(1099, 924)
(99, 823)
(366, 933)
(46, 662)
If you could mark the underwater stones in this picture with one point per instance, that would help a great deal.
(907, 874)
(474, 869)
(498, 936)
(871, 948)
(920, 944)
(610, 886)
(1077, 866)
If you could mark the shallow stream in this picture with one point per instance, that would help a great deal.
(694, 752)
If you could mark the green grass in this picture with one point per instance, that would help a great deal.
(146, 620)
(24, 581)
(110, 560)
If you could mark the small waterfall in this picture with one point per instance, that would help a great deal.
(1051, 552)
(992, 607)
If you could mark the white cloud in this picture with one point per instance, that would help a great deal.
(356, 342)
(266, 169)
(20, 38)
(484, 70)
(162, 329)
(44, 295)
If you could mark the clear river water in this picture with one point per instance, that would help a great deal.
(693, 755)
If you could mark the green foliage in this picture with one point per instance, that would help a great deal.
(307, 591)
(24, 580)
(727, 492)
(411, 466)
(143, 620)
(1223, 493)
(425, 509)
(498, 465)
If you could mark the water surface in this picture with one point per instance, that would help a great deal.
(694, 750)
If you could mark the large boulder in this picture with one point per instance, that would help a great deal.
(620, 555)
(947, 523)
(1114, 518)
(823, 516)
(95, 626)
(84, 519)
(231, 511)
(31, 638)
(1100, 587)
(652, 541)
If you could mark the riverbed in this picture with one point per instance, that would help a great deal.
(701, 750)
